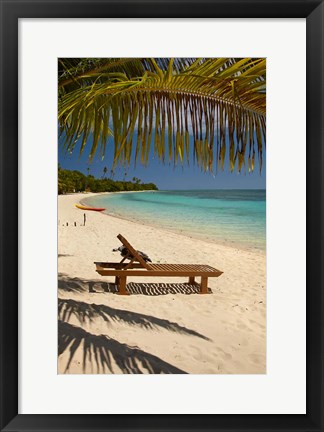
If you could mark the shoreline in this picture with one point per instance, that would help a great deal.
(261, 251)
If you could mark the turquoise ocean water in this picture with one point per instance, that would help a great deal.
(232, 217)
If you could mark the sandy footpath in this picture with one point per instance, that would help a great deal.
(223, 332)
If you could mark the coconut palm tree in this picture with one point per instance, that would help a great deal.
(214, 107)
(105, 170)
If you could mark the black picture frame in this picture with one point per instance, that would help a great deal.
(11, 11)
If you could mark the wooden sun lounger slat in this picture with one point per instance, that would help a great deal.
(164, 273)
(189, 266)
(159, 270)
(117, 265)
(157, 267)
(183, 267)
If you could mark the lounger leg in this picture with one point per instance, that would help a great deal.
(192, 280)
(122, 285)
(203, 285)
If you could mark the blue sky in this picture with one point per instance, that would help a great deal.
(166, 177)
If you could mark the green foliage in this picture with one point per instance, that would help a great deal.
(75, 181)
(220, 102)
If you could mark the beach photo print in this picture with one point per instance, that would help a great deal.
(161, 215)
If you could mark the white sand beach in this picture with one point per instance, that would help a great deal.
(223, 332)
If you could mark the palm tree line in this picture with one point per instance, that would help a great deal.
(70, 181)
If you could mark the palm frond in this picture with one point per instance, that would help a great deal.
(220, 103)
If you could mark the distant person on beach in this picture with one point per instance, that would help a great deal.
(84, 219)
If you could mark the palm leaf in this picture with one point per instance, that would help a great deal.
(220, 102)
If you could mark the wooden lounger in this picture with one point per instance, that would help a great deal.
(138, 267)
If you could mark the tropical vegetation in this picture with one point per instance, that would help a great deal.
(74, 181)
(212, 108)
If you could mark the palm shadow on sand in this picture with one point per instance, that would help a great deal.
(86, 312)
(103, 354)
(100, 353)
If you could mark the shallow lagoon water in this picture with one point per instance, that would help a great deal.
(233, 217)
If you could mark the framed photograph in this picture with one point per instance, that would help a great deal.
(161, 252)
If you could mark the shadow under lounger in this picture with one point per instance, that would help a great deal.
(139, 267)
